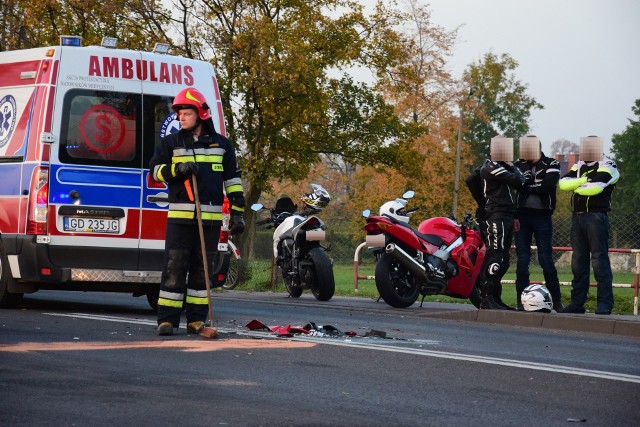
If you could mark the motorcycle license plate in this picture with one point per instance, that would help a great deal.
(315, 234)
(375, 240)
(91, 225)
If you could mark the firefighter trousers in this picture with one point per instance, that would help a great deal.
(182, 285)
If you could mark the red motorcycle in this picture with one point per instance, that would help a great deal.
(440, 257)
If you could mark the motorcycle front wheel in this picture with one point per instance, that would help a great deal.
(395, 283)
(294, 290)
(322, 284)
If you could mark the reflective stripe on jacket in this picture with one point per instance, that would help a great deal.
(592, 185)
(217, 170)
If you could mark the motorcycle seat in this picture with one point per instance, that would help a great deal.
(430, 238)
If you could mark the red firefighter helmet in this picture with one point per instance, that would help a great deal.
(192, 97)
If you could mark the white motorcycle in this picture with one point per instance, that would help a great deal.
(303, 261)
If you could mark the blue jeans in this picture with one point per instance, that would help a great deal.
(590, 239)
(540, 227)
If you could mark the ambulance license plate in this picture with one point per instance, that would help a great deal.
(91, 225)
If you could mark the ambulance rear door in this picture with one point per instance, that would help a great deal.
(97, 166)
(170, 75)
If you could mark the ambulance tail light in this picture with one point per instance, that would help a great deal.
(38, 202)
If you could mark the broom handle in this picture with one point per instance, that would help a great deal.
(202, 246)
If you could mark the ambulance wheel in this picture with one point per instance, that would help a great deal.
(152, 298)
(7, 299)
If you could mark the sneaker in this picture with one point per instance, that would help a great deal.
(603, 311)
(165, 328)
(195, 327)
(573, 308)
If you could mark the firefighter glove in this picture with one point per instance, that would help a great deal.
(187, 168)
(236, 224)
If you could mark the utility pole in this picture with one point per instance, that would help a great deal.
(456, 186)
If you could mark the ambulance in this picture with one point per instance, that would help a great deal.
(78, 126)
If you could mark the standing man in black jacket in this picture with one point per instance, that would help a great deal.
(500, 180)
(536, 203)
(592, 181)
(198, 152)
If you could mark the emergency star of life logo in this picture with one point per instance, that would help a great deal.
(170, 125)
(8, 113)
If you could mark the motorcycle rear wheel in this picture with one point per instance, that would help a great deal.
(395, 283)
(323, 283)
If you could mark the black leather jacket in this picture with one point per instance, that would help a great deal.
(538, 195)
(500, 184)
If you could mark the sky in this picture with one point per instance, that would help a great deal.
(579, 58)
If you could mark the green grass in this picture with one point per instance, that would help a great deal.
(260, 281)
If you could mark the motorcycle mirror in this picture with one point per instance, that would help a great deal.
(366, 213)
(256, 207)
(409, 194)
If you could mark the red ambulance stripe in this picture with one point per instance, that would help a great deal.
(153, 224)
(46, 153)
(10, 206)
(54, 73)
(44, 75)
(215, 87)
(223, 130)
(49, 112)
(10, 73)
(35, 127)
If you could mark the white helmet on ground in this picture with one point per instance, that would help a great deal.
(395, 209)
(536, 298)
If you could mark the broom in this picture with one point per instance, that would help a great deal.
(206, 332)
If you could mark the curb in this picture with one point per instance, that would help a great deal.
(620, 325)
(566, 322)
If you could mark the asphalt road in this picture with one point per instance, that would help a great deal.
(94, 359)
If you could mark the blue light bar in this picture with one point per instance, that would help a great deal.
(71, 41)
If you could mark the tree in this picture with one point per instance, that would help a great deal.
(626, 152)
(500, 105)
(133, 22)
(563, 146)
(282, 106)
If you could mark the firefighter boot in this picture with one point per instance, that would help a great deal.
(195, 327)
(165, 329)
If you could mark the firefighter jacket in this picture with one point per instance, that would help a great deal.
(592, 185)
(538, 195)
(500, 183)
(217, 170)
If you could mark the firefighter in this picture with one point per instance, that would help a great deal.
(196, 150)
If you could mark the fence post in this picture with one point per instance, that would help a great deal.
(635, 284)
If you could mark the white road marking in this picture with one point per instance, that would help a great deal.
(614, 376)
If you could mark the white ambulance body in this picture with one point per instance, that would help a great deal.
(78, 126)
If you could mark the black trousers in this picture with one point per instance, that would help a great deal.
(182, 285)
(497, 232)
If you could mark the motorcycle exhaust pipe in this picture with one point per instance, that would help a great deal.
(405, 259)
